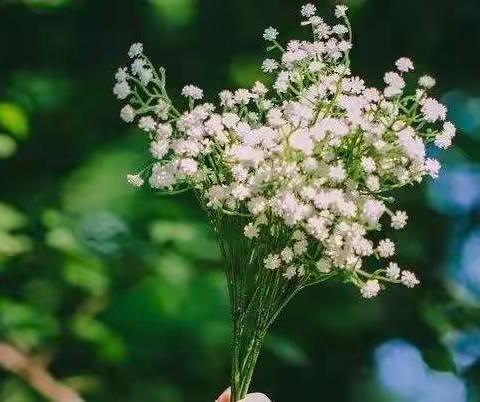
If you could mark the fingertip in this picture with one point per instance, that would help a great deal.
(225, 397)
(256, 397)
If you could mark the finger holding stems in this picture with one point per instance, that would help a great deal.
(255, 397)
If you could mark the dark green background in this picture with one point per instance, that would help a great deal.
(121, 290)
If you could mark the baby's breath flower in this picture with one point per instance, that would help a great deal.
(404, 65)
(242, 96)
(159, 148)
(341, 11)
(191, 91)
(300, 247)
(444, 139)
(340, 29)
(259, 89)
(409, 279)
(121, 74)
(272, 262)
(426, 82)
(394, 80)
(290, 272)
(251, 231)
(308, 10)
(399, 220)
(393, 271)
(370, 289)
(368, 164)
(145, 75)
(135, 180)
(127, 113)
(270, 34)
(373, 183)
(287, 255)
(308, 161)
(147, 123)
(269, 65)
(432, 167)
(122, 90)
(386, 248)
(323, 266)
(135, 50)
(433, 110)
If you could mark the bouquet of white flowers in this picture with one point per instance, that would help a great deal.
(294, 178)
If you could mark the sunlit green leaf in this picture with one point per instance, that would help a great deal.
(106, 171)
(190, 238)
(14, 119)
(63, 239)
(175, 12)
(11, 245)
(7, 146)
(90, 276)
(10, 218)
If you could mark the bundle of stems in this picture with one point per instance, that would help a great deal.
(257, 295)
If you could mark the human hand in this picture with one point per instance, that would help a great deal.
(255, 397)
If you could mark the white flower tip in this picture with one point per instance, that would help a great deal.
(135, 50)
(270, 34)
(135, 180)
(341, 11)
(370, 289)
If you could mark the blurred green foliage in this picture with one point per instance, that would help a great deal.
(121, 291)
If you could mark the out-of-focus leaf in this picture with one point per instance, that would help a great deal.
(63, 239)
(190, 238)
(109, 346)
(25, 325)
(175, 12)
(15, 390)
(43, 91)
(245, 71)
(174, 270)
(14, 119)
(7, 146)
(11, 245)
(43, 293)
(287, 350)
(10, 218)
(106, 171)
(89, 276)
(45, 3)
(103, 231)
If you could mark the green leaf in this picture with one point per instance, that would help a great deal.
(175, 12)
(25, 325)
(46, 3)
(109, 345)
(10, 218)
(7, 146)
(88, 276)
(189, 238)
(14, 119)
(244, 71)
(11, 245)
(287, 350)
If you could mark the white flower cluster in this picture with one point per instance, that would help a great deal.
(315, 155)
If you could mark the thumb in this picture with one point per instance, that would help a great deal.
(256, 397)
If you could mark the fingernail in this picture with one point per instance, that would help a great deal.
(256, 397)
